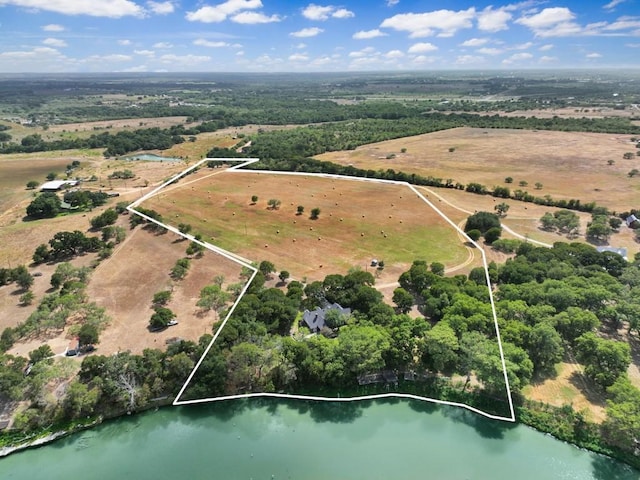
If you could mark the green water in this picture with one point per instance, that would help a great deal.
(275, 439)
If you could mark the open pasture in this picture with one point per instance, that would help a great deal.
(567, 164)
(358, 221)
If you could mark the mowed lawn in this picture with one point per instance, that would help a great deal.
(568, 164)
(359, 221)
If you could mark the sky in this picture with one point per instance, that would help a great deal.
(47, 36)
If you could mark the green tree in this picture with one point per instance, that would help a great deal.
(539, 186)
(492, 234)
(23, 278)
(441, 347)
(31, 184)
(300, 210)
(41, 254)
(45, 205)
(548, 221)
(212, 297)
(254, 199)
(266, 268)
(402, 299)
(108, 217)
(508, 180)
(283, 276)
(162, 297)
(604, 360)
(43, 352)
(482, 221)
(88, 334)
(474, 234)
(27, 298)
(180, 269)
(545, 347)
(502, 209)
(274, 203)
(621, 428)
(161, 318)
(315, 213)
(184, 228)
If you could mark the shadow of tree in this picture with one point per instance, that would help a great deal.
(591, 391)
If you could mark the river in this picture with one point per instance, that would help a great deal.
(276, 439)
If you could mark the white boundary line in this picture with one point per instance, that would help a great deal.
(247, 263)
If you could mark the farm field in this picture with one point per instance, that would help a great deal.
(125, 284)
(359, 221)
(569, 165)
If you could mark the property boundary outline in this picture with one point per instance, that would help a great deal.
(248, 264)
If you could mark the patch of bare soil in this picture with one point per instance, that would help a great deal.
(569, 387)
(125, 285)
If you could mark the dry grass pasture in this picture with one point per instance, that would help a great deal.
(359, 221)
(568, 164)
(125, 284)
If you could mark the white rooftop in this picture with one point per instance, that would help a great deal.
(57, 184)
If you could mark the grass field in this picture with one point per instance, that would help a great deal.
(359, 221)
(568, 164)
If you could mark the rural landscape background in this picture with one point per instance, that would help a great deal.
(104, 311)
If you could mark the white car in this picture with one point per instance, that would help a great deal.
(172, 323)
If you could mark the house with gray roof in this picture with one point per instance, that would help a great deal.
(315, 319)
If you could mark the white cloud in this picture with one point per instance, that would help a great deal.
(490, 51)
(444, 22)
(162, 45)
(307, 32)
(518, 57)
(298, 57)
(252, 18)
(201, 42)
(394, 54)
(136, 69)
(474, 42)
(548, 59)
(343, 13)
(551, 22)
(523, 46)
(220, 12)
(469, 60)
(362, 53)
(392, 3)
(53, 27)
(54, 42)
(322, 13)
(145, 53)
(109, 9)
(185, 60)
(623, 23)
(546, 48)
(367, 34)
(124, 42)
(422, 48)
(612, 4)
(632, 45)
(593, 55)
(547, 18)
(161, 8)
(423, 59)
(39, 59)
(300, 46)
(317, 12)
(113, 58)
(490, 20)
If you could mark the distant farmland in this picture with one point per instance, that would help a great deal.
(567, 164)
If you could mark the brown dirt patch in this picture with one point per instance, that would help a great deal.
(569, 165)
(569, 388)
(378, 221)
(125, 284)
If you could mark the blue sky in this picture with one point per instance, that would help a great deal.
(299, 36)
